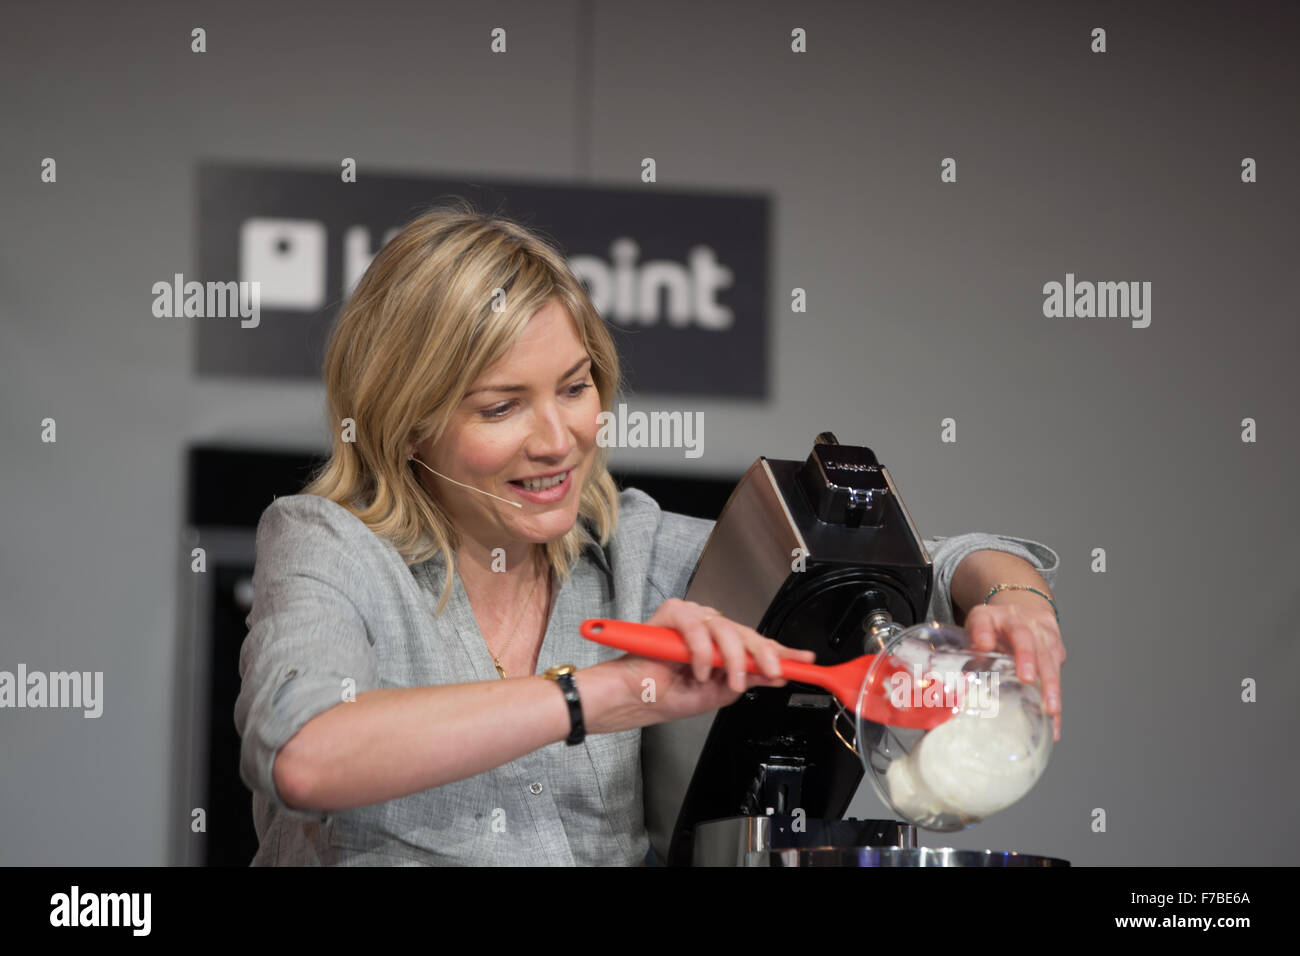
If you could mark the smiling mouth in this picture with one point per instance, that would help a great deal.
(542, 484)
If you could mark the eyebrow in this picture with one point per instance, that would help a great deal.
(524, 388)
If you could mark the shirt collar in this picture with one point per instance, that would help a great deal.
(593, 548)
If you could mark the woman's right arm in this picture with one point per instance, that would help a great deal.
(391, 742)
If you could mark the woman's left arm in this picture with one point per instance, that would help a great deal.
(1024, 620)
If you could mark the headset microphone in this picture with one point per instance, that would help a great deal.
(470, 487)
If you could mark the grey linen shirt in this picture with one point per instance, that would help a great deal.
(335, 608)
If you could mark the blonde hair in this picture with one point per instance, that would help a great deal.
(416, 333)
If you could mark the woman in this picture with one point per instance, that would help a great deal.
(395, 713)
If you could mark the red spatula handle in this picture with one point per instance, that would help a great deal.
(666, 644)
(648, 640)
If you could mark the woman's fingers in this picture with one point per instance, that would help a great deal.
(727, 635)
(794, 653)
(1050, 674)
(1024, 642)
(1039, 653)
(705, 631)
(1035, 643)
(980, 626)
(765, 652)
(1049, 671)
(700, 640)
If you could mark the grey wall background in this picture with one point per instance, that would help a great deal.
(925, 302)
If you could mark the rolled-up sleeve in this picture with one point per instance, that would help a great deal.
(307, 645)
(947, 553)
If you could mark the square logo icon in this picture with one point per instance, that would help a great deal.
(287, 258)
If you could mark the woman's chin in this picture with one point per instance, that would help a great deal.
(549, 527)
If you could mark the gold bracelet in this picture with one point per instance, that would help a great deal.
(1024, 587)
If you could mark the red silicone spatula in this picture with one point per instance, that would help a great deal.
(843, 680)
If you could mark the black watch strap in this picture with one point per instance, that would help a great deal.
(563, 676)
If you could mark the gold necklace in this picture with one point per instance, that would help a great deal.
(496, 658)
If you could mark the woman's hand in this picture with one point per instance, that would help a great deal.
(686, 689)
(1026, 623)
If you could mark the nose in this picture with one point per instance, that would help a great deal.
(551, 438)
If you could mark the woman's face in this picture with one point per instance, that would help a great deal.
(532, 415)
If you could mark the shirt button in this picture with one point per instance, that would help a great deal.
(535, 788)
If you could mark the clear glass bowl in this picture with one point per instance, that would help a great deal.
(982, 759)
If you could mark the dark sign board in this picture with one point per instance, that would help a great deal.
(680, 277)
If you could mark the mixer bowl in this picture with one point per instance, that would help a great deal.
(979, 761)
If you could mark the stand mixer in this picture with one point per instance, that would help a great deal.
(820, 555)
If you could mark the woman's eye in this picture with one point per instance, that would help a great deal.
(500, 411)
